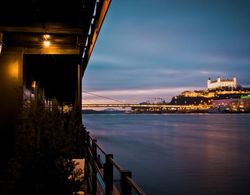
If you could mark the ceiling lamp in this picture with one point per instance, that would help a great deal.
(46, 43)
(46, 40)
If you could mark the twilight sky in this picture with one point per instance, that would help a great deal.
(151, 49)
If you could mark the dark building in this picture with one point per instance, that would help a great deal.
(44, 45)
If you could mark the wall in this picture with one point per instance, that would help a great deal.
(11, 61)
(222, 83)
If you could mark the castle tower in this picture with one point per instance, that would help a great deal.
(234, 82)
(221, 83)
(208, 82)
(218, 79)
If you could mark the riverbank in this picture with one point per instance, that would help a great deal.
(210, 111)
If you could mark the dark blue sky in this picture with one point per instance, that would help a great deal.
(158, 48)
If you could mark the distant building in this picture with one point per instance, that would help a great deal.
(220, 83)
(190, 94)
(233, 105)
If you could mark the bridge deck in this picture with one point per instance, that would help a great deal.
(146, 106)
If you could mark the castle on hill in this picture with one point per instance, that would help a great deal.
(216, 89)
(221, 83)
(221, 95)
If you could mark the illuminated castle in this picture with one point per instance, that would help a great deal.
(219, 83)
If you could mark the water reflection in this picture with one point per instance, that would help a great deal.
(179, 154)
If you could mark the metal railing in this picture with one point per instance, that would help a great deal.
(104, 175)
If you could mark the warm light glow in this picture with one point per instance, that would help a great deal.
(47, 36)
(33, 84)
(46, 43)
(1, 42)
(46, 40)
(13, 70)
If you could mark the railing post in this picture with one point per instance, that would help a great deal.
(126, 188)
(88, 139)
(94, 171)
(84, 135)
(108, 175)
(88, 160)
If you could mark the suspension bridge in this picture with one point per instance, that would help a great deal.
(141, 106)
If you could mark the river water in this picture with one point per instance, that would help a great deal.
(179, 153)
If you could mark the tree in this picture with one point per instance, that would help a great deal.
(45, 143)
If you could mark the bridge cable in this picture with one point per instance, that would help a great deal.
(102, 96)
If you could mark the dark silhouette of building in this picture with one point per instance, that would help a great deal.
(45, 47)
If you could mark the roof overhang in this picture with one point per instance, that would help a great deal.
(73, 26)
(96, 24)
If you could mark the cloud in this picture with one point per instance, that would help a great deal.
(148, 77)
(108, 59)
(134, 95)
(168, 45)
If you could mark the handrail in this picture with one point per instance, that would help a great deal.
(99, 147)
(118, 167)
(98, 169)
(105, 172)
(135, 186)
